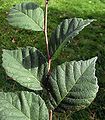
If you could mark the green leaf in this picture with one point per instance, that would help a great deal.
(27, 66)
(64, 32)
(73, 85)
(27, 15)
(22, 106)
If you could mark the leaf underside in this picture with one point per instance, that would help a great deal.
(22, 106)
(73, 86)
(26, 66)
(27, 15)
(64, 32)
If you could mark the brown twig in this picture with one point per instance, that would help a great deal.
(46, 38)
(45, 30)
(50, 116)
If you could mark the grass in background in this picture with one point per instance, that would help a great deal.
(89, 43)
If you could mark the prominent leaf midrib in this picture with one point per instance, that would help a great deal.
(25, 69)
(16, 108)
(83, 25)
(59, 47)
(68, 35)
(21, 76)
(73, 85)
(29, 17)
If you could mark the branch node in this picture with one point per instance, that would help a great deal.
(46, 2)
(43, 30)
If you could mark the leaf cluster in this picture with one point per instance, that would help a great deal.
(69, 87)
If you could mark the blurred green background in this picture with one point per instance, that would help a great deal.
(89, 43)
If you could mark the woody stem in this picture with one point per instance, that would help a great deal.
(46, 39)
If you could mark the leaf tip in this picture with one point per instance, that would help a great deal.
(95, 59)
(94, 19)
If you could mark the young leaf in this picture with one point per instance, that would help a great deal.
(73, 85)
(27, 15)
(22, 106)
(27, 66)
(64, 32)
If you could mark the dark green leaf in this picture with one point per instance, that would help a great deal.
(27, 15)
(22, 106)
(27, 66)
(73, 85)
(64, 32)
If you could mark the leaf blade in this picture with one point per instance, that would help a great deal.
(64, 32)
(27, 15)
(28, 66)
(22, 106)
(73, 86)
